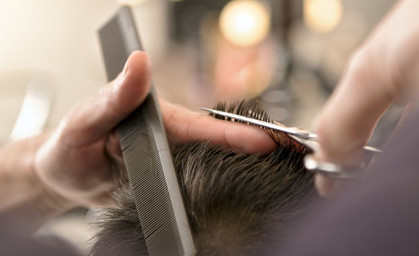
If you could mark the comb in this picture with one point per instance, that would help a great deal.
(146, 152)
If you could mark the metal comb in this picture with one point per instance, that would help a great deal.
(146, 152)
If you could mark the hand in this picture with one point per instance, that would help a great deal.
(383, 70)
(79, 160)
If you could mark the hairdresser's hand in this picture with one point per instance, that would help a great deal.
(383, 70)
(80, 159)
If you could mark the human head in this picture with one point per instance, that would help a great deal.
(232, 199)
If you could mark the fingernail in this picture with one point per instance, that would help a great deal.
(121, 77)
(125, 70)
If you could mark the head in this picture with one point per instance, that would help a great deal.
(232, 200)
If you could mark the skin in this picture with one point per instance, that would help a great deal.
(77, 163)
(384, 70)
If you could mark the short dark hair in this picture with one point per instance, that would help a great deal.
(232, 199)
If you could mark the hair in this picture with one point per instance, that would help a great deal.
(232, 200)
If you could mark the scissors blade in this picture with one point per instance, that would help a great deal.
(307, 138)
(289, 130)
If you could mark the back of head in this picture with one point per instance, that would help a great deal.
(232, 200)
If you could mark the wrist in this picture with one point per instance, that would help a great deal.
(51, 202)
(28, 200)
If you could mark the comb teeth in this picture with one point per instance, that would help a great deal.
(113, 48)
(146, 152)
(149, 187)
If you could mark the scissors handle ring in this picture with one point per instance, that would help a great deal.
(332, 170)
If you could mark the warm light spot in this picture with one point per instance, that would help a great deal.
(322, 15)
(245, 22)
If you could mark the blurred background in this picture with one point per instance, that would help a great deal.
(289, 54)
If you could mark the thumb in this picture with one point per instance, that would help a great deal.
(95, 118)
(350, 116)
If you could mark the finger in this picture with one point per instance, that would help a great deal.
(329, 187)
(95, 118)
(352, 112)
(183, 126)
(350, 116)
(377, 75)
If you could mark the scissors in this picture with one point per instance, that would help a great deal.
(310, 140)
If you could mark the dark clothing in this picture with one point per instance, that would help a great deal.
(376, 215)
(15, 241)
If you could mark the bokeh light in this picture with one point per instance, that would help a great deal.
(245, 22)
(322, 16)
